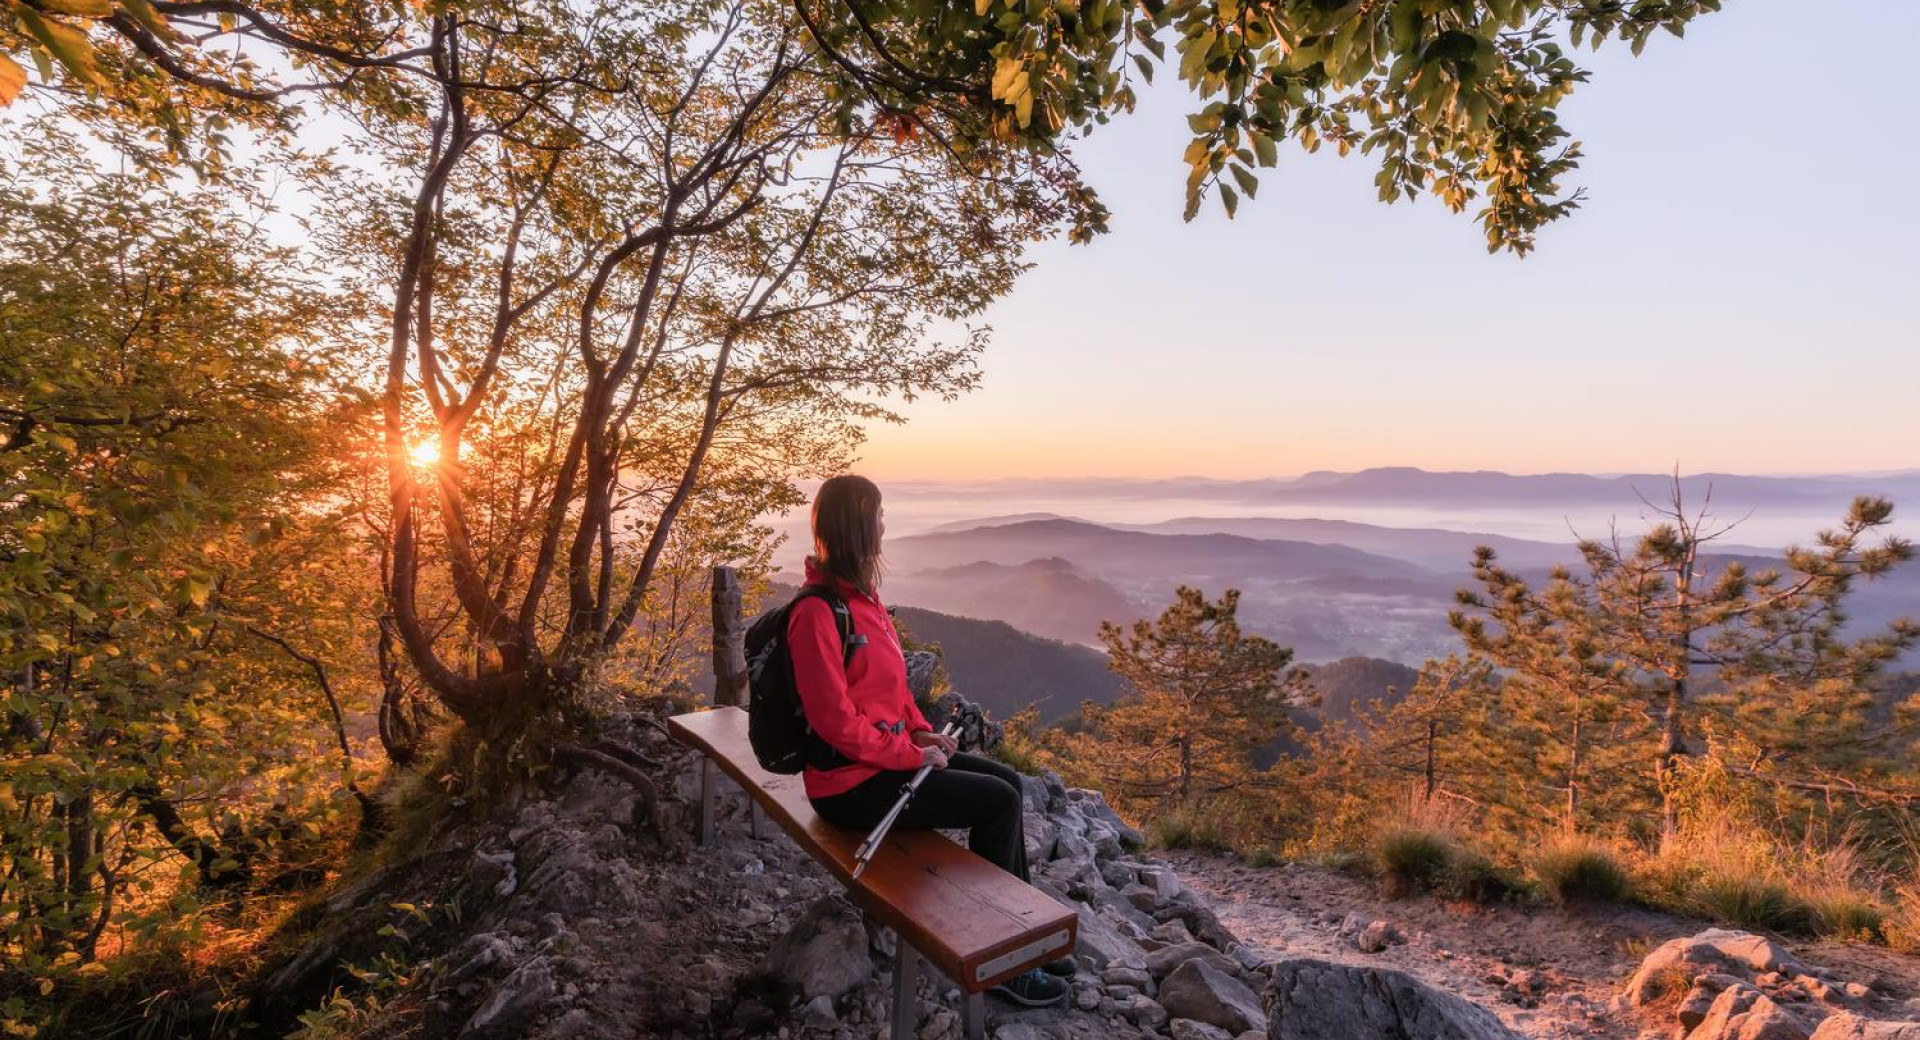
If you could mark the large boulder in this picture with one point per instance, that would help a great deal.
(1202, 991)
(1742, 1012)
(1849, 1026)
(1716, 950)
(1164, 961)
(823, 954)
(1100, 943)
(1317, 1000)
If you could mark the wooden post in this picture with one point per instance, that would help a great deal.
(729, 640)
(730, 657)
(906, 990)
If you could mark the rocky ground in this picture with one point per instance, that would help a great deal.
(1547, 972)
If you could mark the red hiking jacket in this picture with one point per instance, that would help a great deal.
(864, 710)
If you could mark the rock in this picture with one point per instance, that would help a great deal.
(1100, 944)
(1200, 920)
(1118, 873)
(494, 872)
(1033, 794)
(1173, 932)
(1164, 882)
(1056, 790)
(1144, 1011)
(1193, 1029)
(1742, 1012)
(943, 1023)
(1249, 958)
(1163, 962)
(1143, 898)
(1113, 905)
(1699, 1000)
(1849, 1026)
(515, 1003)
(1086, 996)
(1128, 922)
(1040, 833)
(1317, 1000)
(1018, 1031)
(1377, 936)
(823, 954)
(819, 1013)
(1200, 990)
(1076, 850)
(1121, 975)
(1715, 950)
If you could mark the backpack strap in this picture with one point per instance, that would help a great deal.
(842, 619)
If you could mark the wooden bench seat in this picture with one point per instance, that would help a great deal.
(975, 922)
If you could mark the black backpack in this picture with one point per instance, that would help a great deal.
(776, 724)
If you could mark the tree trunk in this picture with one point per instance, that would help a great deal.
(1433, 732)
(729, 640)
(1673, 736)
(1186, 767)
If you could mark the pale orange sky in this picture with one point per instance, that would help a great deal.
(1721, 300)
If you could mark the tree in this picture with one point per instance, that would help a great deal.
(1201, 699)
(1458, 99)
(1420, 735)
(166, 478)
(689, 286)
(1651, 636)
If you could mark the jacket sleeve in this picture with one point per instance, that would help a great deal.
(821, 681)
(915, 720)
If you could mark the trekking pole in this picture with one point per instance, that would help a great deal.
(864, 855)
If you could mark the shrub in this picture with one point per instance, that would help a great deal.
(1581, 869)
(1413, 859)
(1187, 827)
(1901, 926)
(1751, 901)
(1474, 878)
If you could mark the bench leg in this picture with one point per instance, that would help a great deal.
(906, 990)
(973, 1016)
(707, 772)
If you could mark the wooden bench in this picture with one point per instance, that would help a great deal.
(976, 923)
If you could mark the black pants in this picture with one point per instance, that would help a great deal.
(972, 792)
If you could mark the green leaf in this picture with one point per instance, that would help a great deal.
(1245, 178)
(1230, 200)
(1265, 149)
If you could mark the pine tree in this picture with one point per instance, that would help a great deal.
(1659, 637)
(1202, 697)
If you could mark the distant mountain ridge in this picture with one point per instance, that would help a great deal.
(1048, 597)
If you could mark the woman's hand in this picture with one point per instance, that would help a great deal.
(927, 738)
(933, 756)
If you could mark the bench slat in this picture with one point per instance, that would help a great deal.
(965, 915)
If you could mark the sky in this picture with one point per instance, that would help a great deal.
(1737, 293)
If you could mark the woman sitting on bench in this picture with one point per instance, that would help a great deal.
(875, 735)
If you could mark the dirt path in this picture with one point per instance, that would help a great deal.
(1547, 972)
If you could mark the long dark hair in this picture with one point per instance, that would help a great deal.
(846, 530)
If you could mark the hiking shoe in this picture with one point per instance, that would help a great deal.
(1034, 988)
(1065, 967)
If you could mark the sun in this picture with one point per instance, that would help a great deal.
(425, 454)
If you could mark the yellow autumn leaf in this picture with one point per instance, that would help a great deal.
(142, 11)
(13, 79)
(64, 42)
(1004, 74)
(980, 7)
(78, 8)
